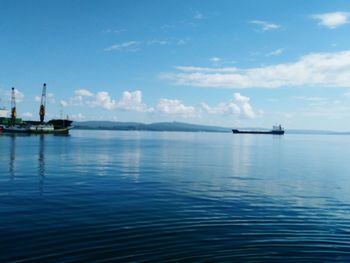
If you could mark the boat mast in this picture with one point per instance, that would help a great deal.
(13, 107)
(42, 104)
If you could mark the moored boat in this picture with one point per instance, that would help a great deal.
(36, 129)
(15, 125)
(276, 130)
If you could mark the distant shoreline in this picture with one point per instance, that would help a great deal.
(179, 127)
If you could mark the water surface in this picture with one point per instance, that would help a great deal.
(168, 196)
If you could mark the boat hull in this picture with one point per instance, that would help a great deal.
(259, 132)
(58, 131)
(56, 126)
(55, 131)
(30, 130)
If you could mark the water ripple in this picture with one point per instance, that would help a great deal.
(110, 197)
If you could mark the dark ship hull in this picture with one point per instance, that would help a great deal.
(15, 125)
(57, 126)
(277, 132)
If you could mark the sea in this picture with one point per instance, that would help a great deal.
(129, 196)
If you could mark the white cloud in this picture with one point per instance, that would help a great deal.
(78, 117)
(132, 101)
(136, 45)
(181, 42)
(244, 104)
(8, 93)
(50, 97)
(83, 93)
(104, 100)
(276, 52)
(160, 42)
(216, 61)
(175, 107)
(316, 70)
(166, 42)
(130, 46)
(312, 99)
(116, 31)
(198, 16)
(19, 95)
(64, 103)
(222, 108)
(207, 70)
(79, 97)
(27, 115)
(239, 105)
(265, 26)
(332, 20)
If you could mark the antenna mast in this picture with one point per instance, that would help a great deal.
(13, 107)
(43, 104)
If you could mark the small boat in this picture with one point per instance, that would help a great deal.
(35, 128)
(276, 130)
(15, 125)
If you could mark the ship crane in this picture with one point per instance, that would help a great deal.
(43, 104)
(13, 107)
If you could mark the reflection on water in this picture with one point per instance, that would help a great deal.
(133, 196)
(242, 155)
(41, 163)
(12, 157)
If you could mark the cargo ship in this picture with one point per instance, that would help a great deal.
(16, 125)
(276, 130)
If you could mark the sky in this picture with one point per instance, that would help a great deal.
(242, 63)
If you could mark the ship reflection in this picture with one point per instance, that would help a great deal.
(41, 163)
(12, 167)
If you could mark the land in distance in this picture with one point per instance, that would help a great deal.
(179, 126)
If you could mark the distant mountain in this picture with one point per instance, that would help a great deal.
(178, 126)
(135, 126)
(319, 132)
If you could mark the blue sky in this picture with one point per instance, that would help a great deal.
(230, 63)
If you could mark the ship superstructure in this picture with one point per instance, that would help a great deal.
(15, 125)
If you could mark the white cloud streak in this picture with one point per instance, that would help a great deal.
(128, 46)
(137, 45)
(265, 26)
(198, 16)
(332, 20)
(314, 70)
(276, 52)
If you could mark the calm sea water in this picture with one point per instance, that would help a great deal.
(166, 196)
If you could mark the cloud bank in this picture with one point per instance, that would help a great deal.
(315, 69)
(238, 106)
